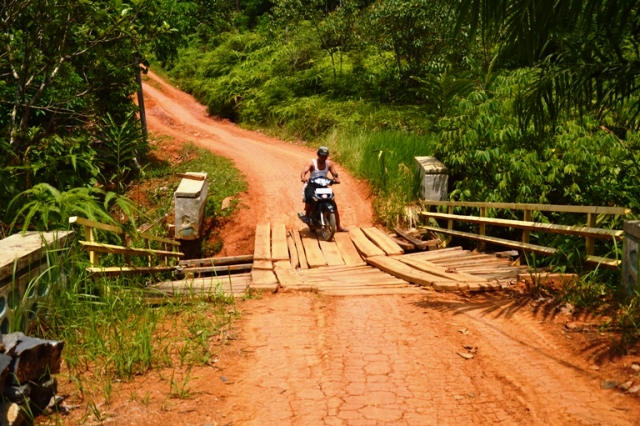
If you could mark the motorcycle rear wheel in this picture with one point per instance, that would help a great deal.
(329, 228)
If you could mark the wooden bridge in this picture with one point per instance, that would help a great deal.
(364, 261)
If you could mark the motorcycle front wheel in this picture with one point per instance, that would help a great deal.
(329, 228)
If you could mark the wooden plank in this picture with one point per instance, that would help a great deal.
(108, 248)
(335, 270)
(262, 248)
(217, 269)
(398, 269)
(438, 252)
(422, 245)
(263, 264)
(534, 207)
(279, 249)
(434, 269)
(604, 261)
(260, 276)
(583, 231)
(215, 261)
(192, 177)
(315, 258)
(117, 270)
(331, 253)
(383, 241)
(287, 276)
(364, 245)
(348, 251)
(500, 241)
(159, 239)
(302, 258)
(293, 252)
(405, 245)
(97, 225)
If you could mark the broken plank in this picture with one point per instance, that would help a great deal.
(215, 261)
(348, 251)
(217, 269)
(383, 241)
(434, 269)
(315, 258)
(406, 246)
(287, 276)
(279, 249)
(364, 245)
(302, 258)
(331, 253)
(262, 249)
(403, 271)
(422, 245)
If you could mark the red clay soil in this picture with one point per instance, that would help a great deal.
(306, 359)
(272, 167)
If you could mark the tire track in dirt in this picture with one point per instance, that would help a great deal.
(393, 360)
(272, 167)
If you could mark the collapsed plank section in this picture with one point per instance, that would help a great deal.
(364, 245)
(262, 247)
(382, 240)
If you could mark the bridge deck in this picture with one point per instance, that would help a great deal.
(362, 262)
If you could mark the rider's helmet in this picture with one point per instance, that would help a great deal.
(323, 151)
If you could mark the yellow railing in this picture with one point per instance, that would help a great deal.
(590, 232)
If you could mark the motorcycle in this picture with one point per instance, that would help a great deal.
(322, 214)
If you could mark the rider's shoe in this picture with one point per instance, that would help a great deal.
(303, 218)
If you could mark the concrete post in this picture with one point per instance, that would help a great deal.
(190, 199)
(434, 179)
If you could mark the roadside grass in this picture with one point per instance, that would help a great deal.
(386, 160)
(155, 190)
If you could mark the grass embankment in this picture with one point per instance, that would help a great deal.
(111, 332)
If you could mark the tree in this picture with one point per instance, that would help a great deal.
(584, 54)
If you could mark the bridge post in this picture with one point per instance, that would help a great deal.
(590, 241)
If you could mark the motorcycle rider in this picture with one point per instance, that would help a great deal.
(318, 167)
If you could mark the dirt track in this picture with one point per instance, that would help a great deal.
(303, 359)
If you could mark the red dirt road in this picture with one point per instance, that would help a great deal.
(305, 359)
(272, 167)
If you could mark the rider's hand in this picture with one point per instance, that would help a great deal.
(304, 180)
(336, 180)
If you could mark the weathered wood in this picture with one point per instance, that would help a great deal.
(302, 258)
(589, 241)
(419, 244)
(260, 276)
(582, 231)
(398, 269)
(494, 240)
(117, 270)
(218, 269)
(383, 241)
(192, 177)
(364, 245)
(108, 248)
(262, 245)
(534, 207)
(279, 249)
(331, 253)
(348, 251)
(217, 261)
(405, 245)
(160, 239)
(434, 269)
(604, 261)
(437, 252)
(293, 252)
(315, 258)
(97, 225)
